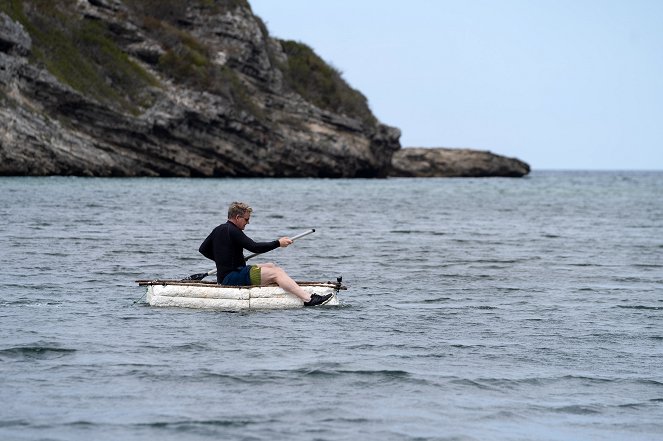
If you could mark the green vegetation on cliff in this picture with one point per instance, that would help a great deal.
(81, 53)
(321, 84)
(187, 60)
(90, 56)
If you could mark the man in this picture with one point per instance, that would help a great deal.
(225, 246)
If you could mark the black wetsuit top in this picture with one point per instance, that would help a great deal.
(225, 245)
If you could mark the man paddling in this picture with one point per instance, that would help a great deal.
(225, 246)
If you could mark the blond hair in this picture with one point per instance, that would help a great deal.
(238, 209)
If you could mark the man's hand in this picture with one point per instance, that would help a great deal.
(284, 242)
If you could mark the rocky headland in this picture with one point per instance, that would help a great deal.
(172, 88)
(454, 163)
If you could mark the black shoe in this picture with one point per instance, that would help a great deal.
(317, 299)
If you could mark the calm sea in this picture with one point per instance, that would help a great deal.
(477, 309)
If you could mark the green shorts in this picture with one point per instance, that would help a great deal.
(254, 275)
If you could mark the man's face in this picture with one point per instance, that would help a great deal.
(243, 220)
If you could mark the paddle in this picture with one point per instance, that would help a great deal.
(201, 276)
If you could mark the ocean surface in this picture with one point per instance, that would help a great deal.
(476, 309)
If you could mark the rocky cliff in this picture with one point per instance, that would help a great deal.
(172, 88)
(198, 88)
(444, 162)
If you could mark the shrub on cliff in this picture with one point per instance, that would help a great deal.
(80, 53)
(321, 84)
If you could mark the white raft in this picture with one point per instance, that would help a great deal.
(209, 295)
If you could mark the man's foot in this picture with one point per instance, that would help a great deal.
(317, 299)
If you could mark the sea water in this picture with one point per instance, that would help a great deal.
(476, 309)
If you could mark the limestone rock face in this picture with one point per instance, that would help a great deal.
(445, 162)
(202, 92)
(13, 38)
(197, 88)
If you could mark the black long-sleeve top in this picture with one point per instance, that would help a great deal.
(225, 245)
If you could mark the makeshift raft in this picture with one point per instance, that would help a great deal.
(209, 295)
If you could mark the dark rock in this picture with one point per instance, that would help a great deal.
(150, 53)
(445, 162)
(14, 40)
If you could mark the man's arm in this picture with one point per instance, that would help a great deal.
(255, 247)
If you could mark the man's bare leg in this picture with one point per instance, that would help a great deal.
(270, 273)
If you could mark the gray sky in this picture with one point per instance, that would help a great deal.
(561, 84)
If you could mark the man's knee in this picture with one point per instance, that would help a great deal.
(270, 274)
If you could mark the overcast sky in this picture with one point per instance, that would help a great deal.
(560, 84)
